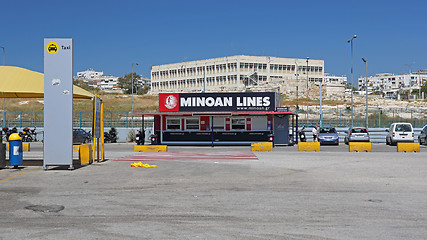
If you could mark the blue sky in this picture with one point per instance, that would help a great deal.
(110, 35)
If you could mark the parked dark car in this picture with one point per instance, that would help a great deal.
(328, 135)
(80, 136)
(422, 138)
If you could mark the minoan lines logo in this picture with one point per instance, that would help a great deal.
(169, 102)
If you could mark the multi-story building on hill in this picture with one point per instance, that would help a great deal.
(89, 74)
(99, 80)
(391, 84)
(236, 73)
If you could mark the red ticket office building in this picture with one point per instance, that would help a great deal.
(221, 119)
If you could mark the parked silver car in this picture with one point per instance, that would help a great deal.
(356, 134)
(422, 138)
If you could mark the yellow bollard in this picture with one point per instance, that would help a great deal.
(408, 147)
(25, 146)
(150, 148)
(309, 146)
(85, 155)
(262, 146)
(359, 147)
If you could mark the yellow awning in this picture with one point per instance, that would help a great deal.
(16, 82)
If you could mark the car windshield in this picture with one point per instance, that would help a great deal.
(359, 130)
(403, 128)
(328, 130)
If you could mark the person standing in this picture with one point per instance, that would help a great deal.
(315, 132)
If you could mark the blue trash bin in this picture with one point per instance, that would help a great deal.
(15, 150)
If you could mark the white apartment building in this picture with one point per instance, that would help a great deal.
(334, 80)
(89, 74)
(236, 73)
(144, 82)
(109, 84)
(390, 83)
(98, 80)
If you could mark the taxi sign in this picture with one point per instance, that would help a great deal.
(52, 47)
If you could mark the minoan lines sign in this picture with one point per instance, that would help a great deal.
(216, 102)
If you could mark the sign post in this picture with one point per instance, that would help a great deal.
(58, 102)
(98, 129)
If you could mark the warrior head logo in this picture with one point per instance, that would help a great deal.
(171, 102)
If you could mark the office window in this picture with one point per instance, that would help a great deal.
(238, 124)
(192, 124)
(173, 124)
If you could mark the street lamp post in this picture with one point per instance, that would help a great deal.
(306, 113)
(204, 79)
(297, 107)
(351, 43)
(132, 90)
(366, 90)
(321, 113)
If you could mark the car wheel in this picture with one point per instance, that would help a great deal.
(387, 142)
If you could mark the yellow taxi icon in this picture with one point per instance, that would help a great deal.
(52, 47)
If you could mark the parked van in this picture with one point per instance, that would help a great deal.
(399, 132)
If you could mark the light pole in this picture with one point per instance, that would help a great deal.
(321, 114)
(297, 74)
(351, 43)
(366, 90)
(204, 79)
(132, 90)
(306, 113)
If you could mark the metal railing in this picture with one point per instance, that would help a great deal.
(377, 118)
(338, 118)
(80, 120)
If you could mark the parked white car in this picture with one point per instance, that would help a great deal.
(399, 132)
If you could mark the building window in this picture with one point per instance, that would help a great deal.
(238, 124)
(192, 124)
(173, 124)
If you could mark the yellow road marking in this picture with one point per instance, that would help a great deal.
(4, 180)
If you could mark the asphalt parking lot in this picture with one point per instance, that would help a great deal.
(193, 194)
